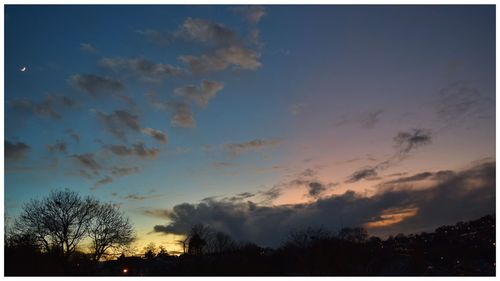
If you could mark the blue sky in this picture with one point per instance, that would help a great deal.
(264, 95)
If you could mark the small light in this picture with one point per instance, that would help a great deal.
(125, 270)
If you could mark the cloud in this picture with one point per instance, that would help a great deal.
(58, 146)
(469, 194)
(256, 144)
(74, 135)
(315, 189)
(297, 108)
(366, 120)
(138, 149)
(157, 135)
(138, 197)
(96, 85)
(141, 67)
(124, 171)
(404, 143)
(219, 164)
(181, 112)
(101, 182)
(88, 162)
(460, 101)
(48, 107)
(118, 122)
(207, 32)
(156, 213)
(239, 57)
(182, 115)
(159, 38)
(252, 14)
(202, 94)
(407, 141)
(15, 150)
(364, 173)
(87, 48)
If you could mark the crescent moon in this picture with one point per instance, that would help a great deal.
(23, 69)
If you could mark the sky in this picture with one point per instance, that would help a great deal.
(255, 120)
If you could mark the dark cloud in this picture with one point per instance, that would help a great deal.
(138, 149)
(58, 146)
(414, 178)
(404, 143)
(405, 181)
(202, 94)
(15, 150)
(141, 67)
(118, 122)
(364, 173)
(101, 182)
(88, 162)
(366, 120)
(239, 57)
(252, 14)
(467, 195)
(207, 32)
(124, 171)
(407, 141)
(256, 144)
(315, 189)
(96, 85)
(48, 107)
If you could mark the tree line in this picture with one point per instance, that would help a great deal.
(48, 237)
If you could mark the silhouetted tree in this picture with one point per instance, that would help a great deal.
(150, 251)
(109, 229)
(354, 234)
(59, 222)
(222, 243)
(196, 244)
(162, 253)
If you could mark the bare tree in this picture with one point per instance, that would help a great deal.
(109, 229)
(59, 222)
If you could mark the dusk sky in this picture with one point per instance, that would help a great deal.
(254, 119)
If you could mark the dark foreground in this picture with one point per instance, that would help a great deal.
(463, 249)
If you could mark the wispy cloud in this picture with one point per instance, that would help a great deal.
(58, 146)
(156, 134)
(366, 120)
(138, 149)
(404, 143)
(252, 14)
(118, 122)
(96, 85)
(141, 67)
(104, 181)
(256, 144)
(48, 107)
(202, 94)
(240, 58)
